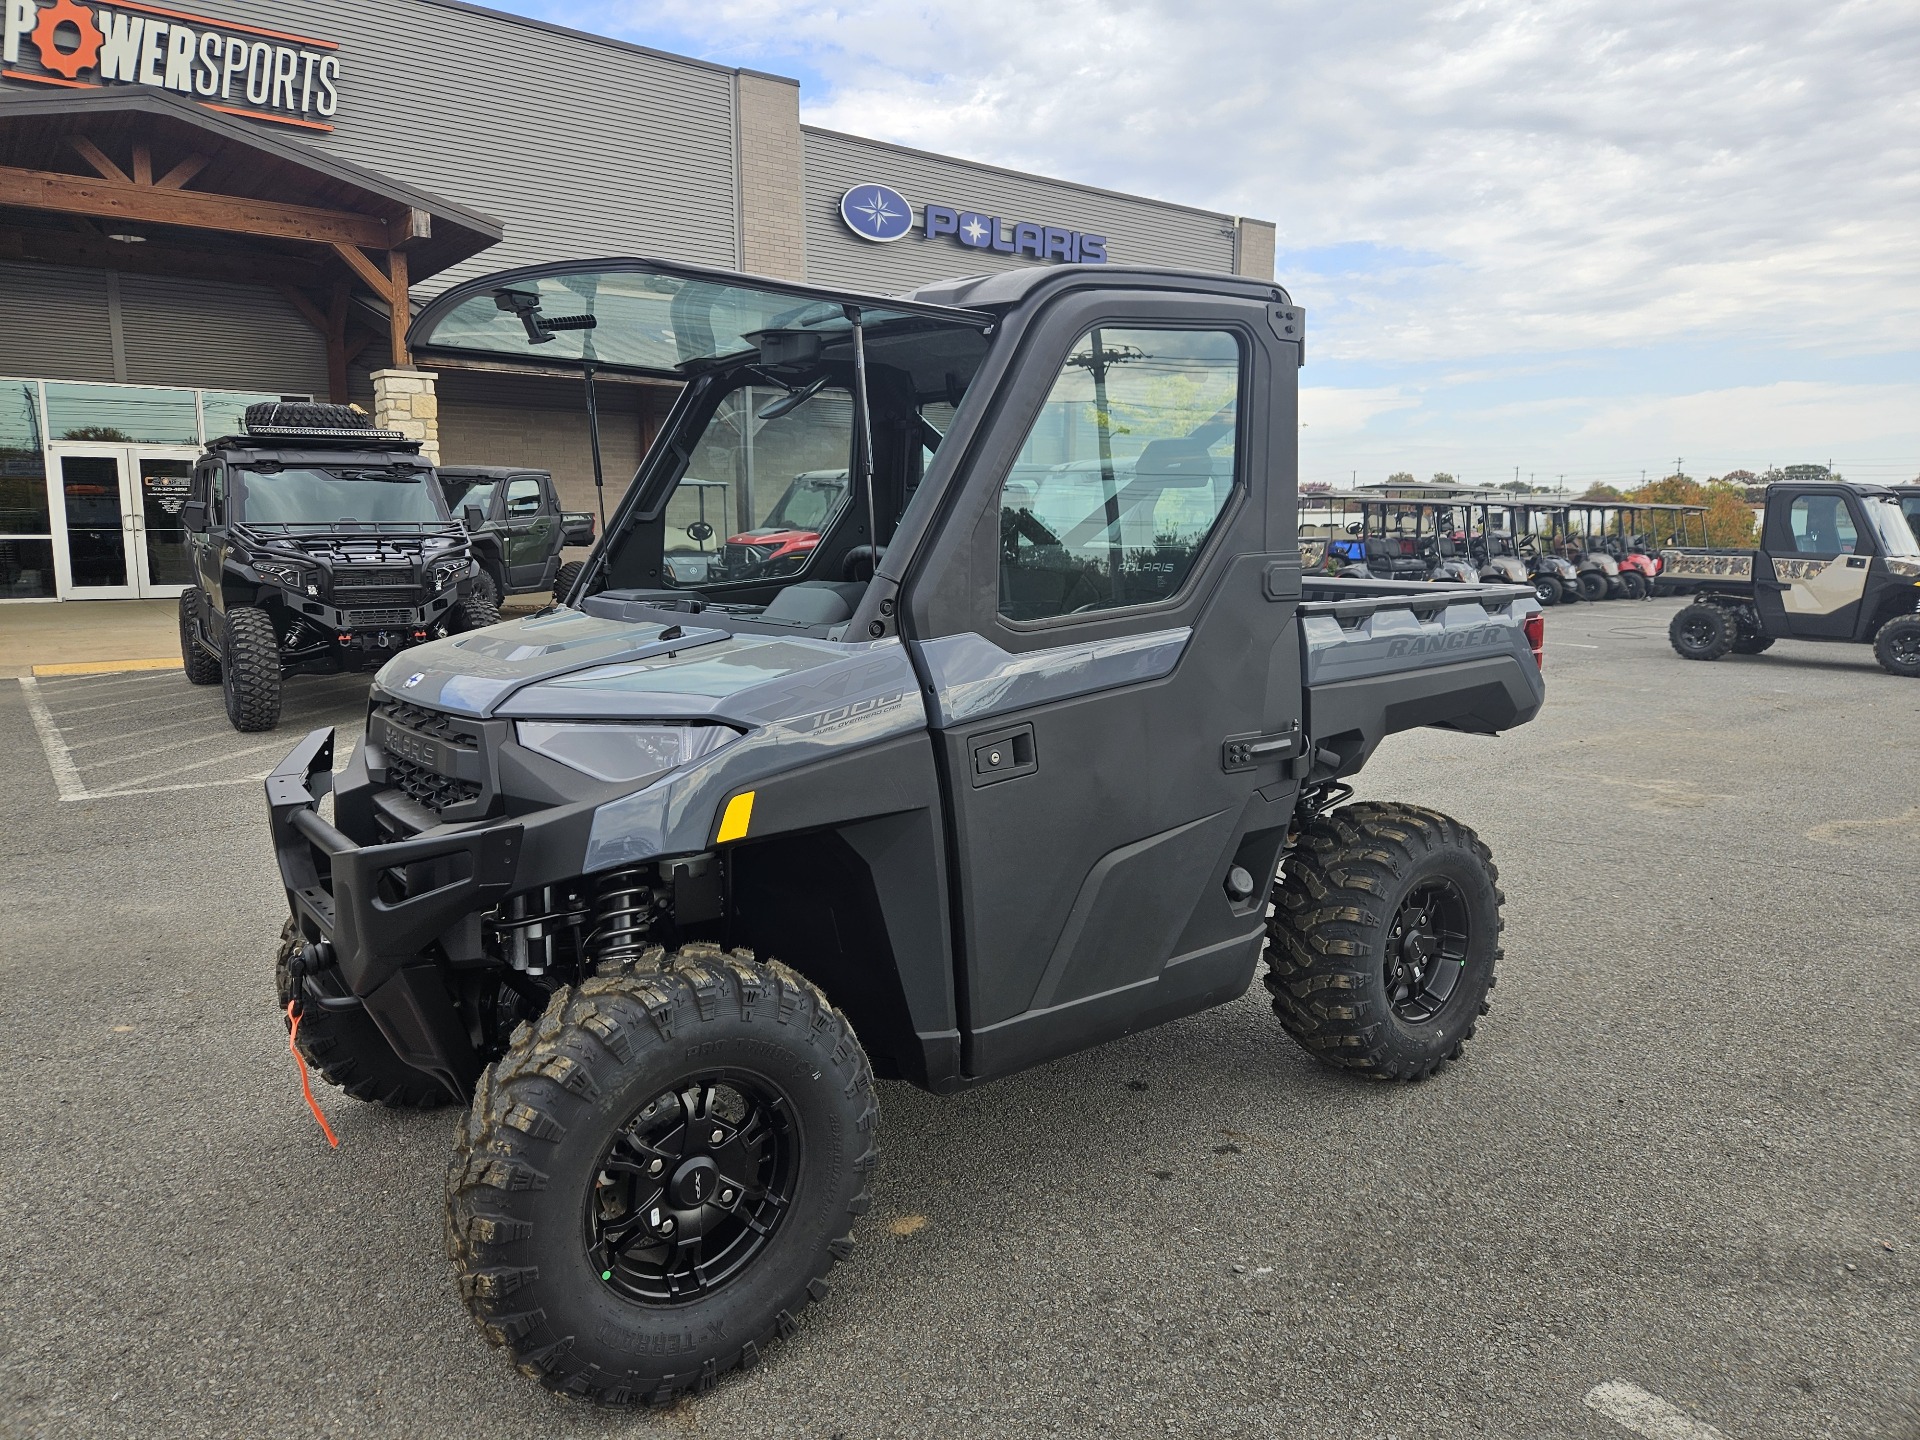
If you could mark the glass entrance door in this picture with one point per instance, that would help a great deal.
(121, 534)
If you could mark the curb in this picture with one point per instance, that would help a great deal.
(106, 667)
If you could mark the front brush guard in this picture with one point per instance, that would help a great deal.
(380, 908)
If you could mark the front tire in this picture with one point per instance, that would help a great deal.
(1703, 632)
(477, 611)
(1897, 647)
(347, 1048)
(1384, 937)
(1633, 585)
(657, 1176)
(250, 669)
(201, 668)
(564, 582)
(1548, 589)
(1593, 585)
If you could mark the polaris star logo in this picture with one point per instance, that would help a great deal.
(876, 212)
(413, 680)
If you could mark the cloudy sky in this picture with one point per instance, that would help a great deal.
(1573, 237)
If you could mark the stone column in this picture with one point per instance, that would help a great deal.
(1253, 243)
(404, 400)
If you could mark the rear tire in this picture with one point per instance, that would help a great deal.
(1633, 585)
(1356, 977)
(347, 1048)
(564, 1128)
(1897, 647)
(564, 582)
(1703, 632)
(250, 669)
(1593, 585)
(1548, 589)
(201, 668)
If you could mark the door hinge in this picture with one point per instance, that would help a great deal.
(1249, 752)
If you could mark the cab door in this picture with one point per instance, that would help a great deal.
(1106, 627)
(1820, 552)
(529, 518)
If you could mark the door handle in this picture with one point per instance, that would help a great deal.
(1002, 755)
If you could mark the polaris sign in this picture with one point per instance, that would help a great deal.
(882, 214)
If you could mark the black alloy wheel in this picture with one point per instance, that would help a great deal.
(1897, 646)
(1702, 632)
(692, 1187)
(1427, 948)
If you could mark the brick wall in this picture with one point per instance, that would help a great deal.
(772, 177)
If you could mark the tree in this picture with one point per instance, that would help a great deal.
(1315, 487)
(1401, 477)
(1602, 492)
(1441, 477)
(1730, 519)
(1516, 487)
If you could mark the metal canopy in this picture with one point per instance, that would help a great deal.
(645, 317)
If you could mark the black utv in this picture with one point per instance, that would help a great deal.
(318, 544)
(516, 528)
(1005, 766)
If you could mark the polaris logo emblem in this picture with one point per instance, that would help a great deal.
(876, 212)
(1480, 635)
(413, 679)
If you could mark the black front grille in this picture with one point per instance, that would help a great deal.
(430, 722)
(361, 577)
(392, 595)
(432, 790)
(379, 617)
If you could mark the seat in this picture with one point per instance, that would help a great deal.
(815, 602)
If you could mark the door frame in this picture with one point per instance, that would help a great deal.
(126, 458)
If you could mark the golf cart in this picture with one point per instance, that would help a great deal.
(1043, 742)
(1381, 547)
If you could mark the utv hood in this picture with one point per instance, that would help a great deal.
(568, 665)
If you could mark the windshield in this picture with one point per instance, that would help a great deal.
(808, 501)
(1896, 535)
(399, 496)
(462, 492)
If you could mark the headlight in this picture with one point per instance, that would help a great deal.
(288, 575)
(1905, 569)
(622, 752)
(445, 572)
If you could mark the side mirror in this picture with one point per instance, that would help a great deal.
(193, 515)
(474, 518)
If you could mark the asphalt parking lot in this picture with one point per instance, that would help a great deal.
(1682, 1154)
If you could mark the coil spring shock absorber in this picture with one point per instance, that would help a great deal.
(621, 907)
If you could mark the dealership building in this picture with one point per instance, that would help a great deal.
(202, 209)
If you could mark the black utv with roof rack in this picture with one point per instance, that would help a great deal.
(318, 544)
(1043, 740)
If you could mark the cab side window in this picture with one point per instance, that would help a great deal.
(1124, 475)
(523, 499)
(217, 493)
(1822, 525)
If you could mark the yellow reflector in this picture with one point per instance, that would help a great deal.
(733, 824)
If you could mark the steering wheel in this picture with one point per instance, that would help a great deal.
(700, 532)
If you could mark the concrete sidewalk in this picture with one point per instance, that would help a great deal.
(94, 634)
(82, 637)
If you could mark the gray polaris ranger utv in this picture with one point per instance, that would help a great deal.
(1004, 767)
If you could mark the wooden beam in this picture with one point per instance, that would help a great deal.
(112, 200)
(402, 314)
(94, 251)
(142, 164)
(308, 310)
(97, 158)
(357, 261)
(410, 229)
(337, 342)
(179, 175)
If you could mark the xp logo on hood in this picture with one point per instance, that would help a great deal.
(876, 212)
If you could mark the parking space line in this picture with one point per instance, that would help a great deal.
(1645, 1413)
(277, 744)
(66, 775)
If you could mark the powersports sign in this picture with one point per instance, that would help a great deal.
(882, 214)
(238, 69)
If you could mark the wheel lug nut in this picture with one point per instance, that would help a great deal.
(656, 1166)
(718, 1136)
(666, 1226)
(726, 1197)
